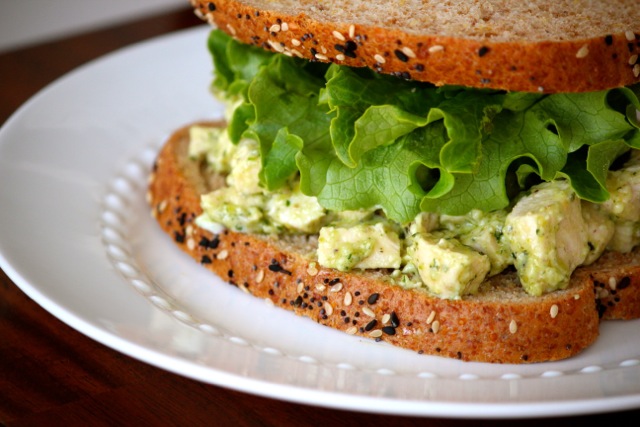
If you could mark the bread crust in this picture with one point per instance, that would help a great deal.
(597, 62)
(502, 324)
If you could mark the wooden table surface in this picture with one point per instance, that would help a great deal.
(52, 375)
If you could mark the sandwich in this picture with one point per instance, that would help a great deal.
(459, 179)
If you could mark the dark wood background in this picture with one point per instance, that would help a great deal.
(52, 375)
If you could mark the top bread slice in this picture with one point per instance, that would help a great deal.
(501, 324)
(534, 46)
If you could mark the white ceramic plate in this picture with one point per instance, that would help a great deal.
(77, 237)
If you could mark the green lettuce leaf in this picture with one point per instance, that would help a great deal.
(362, 140)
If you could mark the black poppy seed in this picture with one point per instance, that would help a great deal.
(378, 339)
(369, 326)
(361, 302)
(230, 273)
(485, 81)
(608, 39)
(410, 323)
(422, 351)
(343, 313)
(347, 320)
(373, 298)
(624, 282)
(326, 280)
(211, 6)
(239, 15)
(389, 330)
(271, 292)
(354, 323)
(459, 355)
(525, 357)
(313, 51)
(400, 55)
(179, 237)
(334, 281)
(438, 350)
(297, 302)
(319, 304)
(325, 298)
(361, 330)
(419, 67)
(305, 295)
(357, 293)
(357, 314)
(483, 51)
(247, 16)
(205, 259)
(324, 317)
(304, 305)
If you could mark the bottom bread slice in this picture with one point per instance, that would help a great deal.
(501, 324)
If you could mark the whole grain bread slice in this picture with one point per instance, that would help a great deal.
(501, 324)
(534, 46)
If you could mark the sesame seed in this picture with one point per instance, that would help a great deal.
(260, 276)
(148, 197)
(340, 57)
(300, 287)
(630, 35)
(231, 29)
(223, 254)
(162, 206)
(276, 46)
(274, 28)
(368, 312)
(613, 283)
(513, 327)
(321, 57)
(189, 230)
(435, 327)
(296, 53)
(576, 296)
(633, 59)
(336, 288)
(244, 288)
(352, 330)
(400, 55)
(339, 36)
(432, 316)
(191, 244)
(582, 52)
(312, 270)
(636, 70)
(352, 31)
(295, 42)
(386, 318)
(436, 48)
(379, 58)
(348, 299)
(369, 326)
(320, 287)
(269, 302)
(389, 330)
(284, 26)
(328, 308)
(554, 311)
(407, 51)
(377, 333)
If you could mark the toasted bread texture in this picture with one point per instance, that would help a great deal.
(501, 324)
(533, 46)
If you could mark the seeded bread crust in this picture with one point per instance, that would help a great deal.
(575, 46)
(502, 324)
